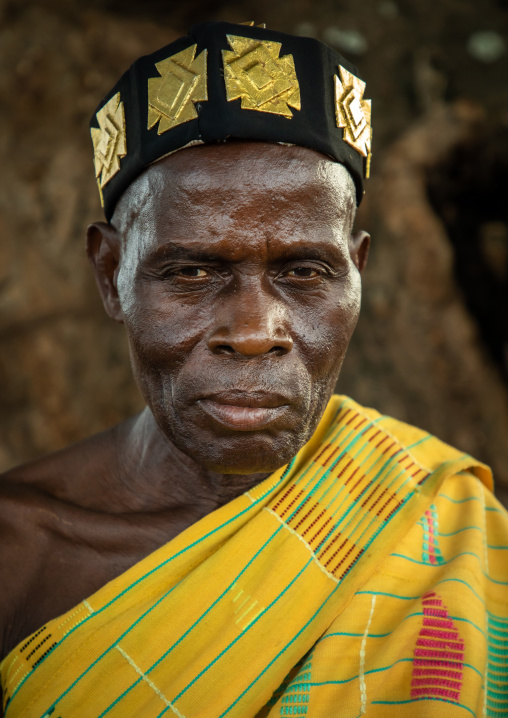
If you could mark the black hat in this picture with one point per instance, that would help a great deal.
(226, 81)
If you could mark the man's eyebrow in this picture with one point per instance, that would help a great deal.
(320, 252)
(173, 250)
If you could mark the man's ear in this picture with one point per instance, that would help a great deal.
(103, 249)
(359, 245)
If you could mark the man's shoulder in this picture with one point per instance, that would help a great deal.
(36, 494)
(426, 449)
(26, 518)
(44, 507)
(60, 474)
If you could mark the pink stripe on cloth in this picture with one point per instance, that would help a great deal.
(438, 654)
(437, 664)
(431, 691)
(438, 612)
(432, 547)
(437, 672)
(435, 681)
(436, 633)
(438, 622)
(445, 655)
(440, 643)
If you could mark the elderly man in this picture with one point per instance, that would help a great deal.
(249, 545)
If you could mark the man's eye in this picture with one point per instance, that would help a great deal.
(192, 272)
(303, 273)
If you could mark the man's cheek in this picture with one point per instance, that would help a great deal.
(163, 333)
(326, 342)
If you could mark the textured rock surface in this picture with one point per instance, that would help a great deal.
(64, 366)
(64, 369)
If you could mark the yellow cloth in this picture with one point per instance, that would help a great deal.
(368, 576)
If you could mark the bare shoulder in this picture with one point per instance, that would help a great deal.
(41, 507)
(61, 474)
(23, 539)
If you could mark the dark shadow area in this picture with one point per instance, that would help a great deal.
(180, 16)
(469, 192)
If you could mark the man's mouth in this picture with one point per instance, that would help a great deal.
(244, 411)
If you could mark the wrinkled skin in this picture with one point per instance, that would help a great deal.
(237, 276)
(239, 286)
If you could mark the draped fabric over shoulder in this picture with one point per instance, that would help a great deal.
(369, 575)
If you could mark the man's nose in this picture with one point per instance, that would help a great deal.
(250, 324)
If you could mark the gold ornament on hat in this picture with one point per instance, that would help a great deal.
(353, 113)
(171, 96)
(109, 141)
(254, 72)
(251, 23)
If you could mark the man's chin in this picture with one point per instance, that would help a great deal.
(242, 455)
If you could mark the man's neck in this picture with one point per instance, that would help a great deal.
(153, 474)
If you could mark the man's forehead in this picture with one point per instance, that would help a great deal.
(271, 172)
(259, 163)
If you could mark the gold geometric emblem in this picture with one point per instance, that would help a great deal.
(264, 81)
(171, 97)
(109, 140)
(352, 112)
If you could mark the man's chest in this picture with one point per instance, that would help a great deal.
(48, 570)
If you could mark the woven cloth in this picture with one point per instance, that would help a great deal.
(368, 576)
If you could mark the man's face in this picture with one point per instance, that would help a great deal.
(239, 295)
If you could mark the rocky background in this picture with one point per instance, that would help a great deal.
(432, 344)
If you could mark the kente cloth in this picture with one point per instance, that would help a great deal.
(369, 576)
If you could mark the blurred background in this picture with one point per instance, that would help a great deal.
(431, 347)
